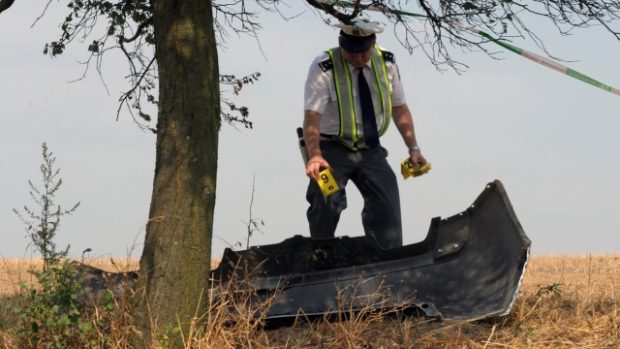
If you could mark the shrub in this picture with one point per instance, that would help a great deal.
(49, 312)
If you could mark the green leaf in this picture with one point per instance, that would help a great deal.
(94, 47)
(469, 6)
(85, 327)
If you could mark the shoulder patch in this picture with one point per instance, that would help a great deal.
(326, 65)
(388, 56)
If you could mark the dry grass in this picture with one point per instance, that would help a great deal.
(566, 302)
(14, 271)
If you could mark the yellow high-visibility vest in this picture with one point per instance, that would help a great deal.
(349, 133)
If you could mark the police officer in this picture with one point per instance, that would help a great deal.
(351, 93)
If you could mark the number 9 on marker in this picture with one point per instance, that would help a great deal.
(327, 183)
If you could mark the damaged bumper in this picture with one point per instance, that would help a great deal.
(468, 267)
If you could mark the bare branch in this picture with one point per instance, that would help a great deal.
(439, 26)
(47, 5)
(341, 16)
(139, 31)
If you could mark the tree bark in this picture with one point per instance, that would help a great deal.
(174, 268)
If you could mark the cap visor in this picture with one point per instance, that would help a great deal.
(356, 44)
(355, 47)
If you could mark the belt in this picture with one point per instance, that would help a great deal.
(333, 138)
(326, 137)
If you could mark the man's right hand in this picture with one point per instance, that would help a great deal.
(315, 165)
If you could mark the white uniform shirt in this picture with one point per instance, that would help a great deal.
(320, 93)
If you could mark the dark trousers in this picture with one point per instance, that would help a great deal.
(369, 170)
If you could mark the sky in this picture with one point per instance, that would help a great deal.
(552, 140)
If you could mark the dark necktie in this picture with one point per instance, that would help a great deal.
(371, 135)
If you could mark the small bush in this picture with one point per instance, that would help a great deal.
(49, 313)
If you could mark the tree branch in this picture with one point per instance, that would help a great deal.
(444, 25)
(139, 31)
(342, 17)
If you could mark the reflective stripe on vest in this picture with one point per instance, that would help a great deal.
(349, 133)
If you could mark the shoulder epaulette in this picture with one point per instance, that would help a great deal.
(326, 65)
(388, 56)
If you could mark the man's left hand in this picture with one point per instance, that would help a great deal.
(416, 157)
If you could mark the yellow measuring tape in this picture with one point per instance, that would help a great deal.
(408, 169)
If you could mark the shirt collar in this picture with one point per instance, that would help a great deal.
(353, 69)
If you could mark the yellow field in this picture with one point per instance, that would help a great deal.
(565, 302)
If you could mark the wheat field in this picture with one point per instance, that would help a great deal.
(565, 302)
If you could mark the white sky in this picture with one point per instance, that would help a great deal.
(549, 138)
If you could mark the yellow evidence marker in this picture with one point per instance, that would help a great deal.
(327, 183)
(407, 169)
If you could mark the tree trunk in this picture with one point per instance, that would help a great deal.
(174, 268)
